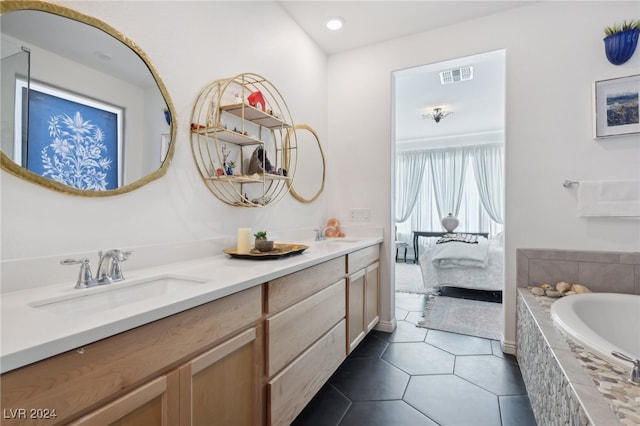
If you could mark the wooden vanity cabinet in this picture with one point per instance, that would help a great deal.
(155, 403)
(223, 385)
(362, 294)
(168, 372)
(306, 334)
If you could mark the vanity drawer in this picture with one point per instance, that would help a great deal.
(292, 389)
(287, 290)
(293, 330)
(76, 382)
(362, 258)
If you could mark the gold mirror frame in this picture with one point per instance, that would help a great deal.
(10, 166)
(292, 191)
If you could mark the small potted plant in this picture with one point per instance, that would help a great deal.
(621, 41)
(261, 243)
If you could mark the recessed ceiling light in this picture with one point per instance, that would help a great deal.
(334, 24)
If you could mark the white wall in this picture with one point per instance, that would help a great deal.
(190, 44)
(554, 54)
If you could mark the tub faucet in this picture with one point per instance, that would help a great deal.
(634, 376)
(320, 232)
(109, 268)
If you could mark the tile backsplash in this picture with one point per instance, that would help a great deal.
(614, 272)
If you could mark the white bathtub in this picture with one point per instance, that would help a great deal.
(602, 323)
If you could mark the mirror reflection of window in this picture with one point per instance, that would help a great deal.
(101, 88)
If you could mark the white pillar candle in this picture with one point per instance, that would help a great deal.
(243, 240)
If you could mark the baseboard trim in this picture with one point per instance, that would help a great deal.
(509, 347)
(386, 326)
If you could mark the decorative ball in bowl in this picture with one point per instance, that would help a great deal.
(264, 245)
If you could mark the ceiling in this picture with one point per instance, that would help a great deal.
(478, 105)
(90, 47)
(370, 22)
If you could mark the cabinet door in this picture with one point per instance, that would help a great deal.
(220, 387)
(371, 303)
(155, 403)
(292, 389)
(355, 313)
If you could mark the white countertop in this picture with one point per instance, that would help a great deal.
(31, 334)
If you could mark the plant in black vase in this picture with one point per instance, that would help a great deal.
(262, 244)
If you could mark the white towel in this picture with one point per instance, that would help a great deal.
(609, 198)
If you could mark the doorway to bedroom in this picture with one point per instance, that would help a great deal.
(449, 138)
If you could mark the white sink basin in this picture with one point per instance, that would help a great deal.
(110, 296)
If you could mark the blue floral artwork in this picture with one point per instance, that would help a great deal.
(72, 143)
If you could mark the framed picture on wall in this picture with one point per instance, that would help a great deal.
(68, 138)
(617, 111)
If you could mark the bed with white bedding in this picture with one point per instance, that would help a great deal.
(477, 263)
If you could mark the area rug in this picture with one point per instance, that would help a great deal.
(463, 316)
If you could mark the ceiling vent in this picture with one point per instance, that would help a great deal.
(458, 74)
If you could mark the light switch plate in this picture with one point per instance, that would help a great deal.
(360, 215)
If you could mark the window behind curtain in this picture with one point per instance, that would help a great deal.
(472, 215)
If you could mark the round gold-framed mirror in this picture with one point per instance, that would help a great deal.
(97, 120)
(311, 167)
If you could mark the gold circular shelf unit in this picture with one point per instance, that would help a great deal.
(234, 120)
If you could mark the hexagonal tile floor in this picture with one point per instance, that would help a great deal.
(415, 376)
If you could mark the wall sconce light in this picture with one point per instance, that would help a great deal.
(437, 114)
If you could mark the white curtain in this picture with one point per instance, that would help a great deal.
(488, 168)
(409, 173)
(448, 170)
(477, 189)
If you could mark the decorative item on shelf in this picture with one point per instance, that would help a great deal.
(227, 165)
(450, 222)
(621, 41)
(261, 243)
(437, 114)
(259, 162)
(256, 100)
(261, 201)
(333, 229)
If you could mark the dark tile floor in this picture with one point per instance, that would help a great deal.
(416, 376)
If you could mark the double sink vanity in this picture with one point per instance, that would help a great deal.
(213, 340)
(190, 335)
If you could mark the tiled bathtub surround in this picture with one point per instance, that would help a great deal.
(555, 382)
(612, 272)
(566, 384)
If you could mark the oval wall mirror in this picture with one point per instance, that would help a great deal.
(83, 109)
(310, 174)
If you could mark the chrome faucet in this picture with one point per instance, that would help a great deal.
(109, 269)
(634, 376)
(320, 232)
(85, 278)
